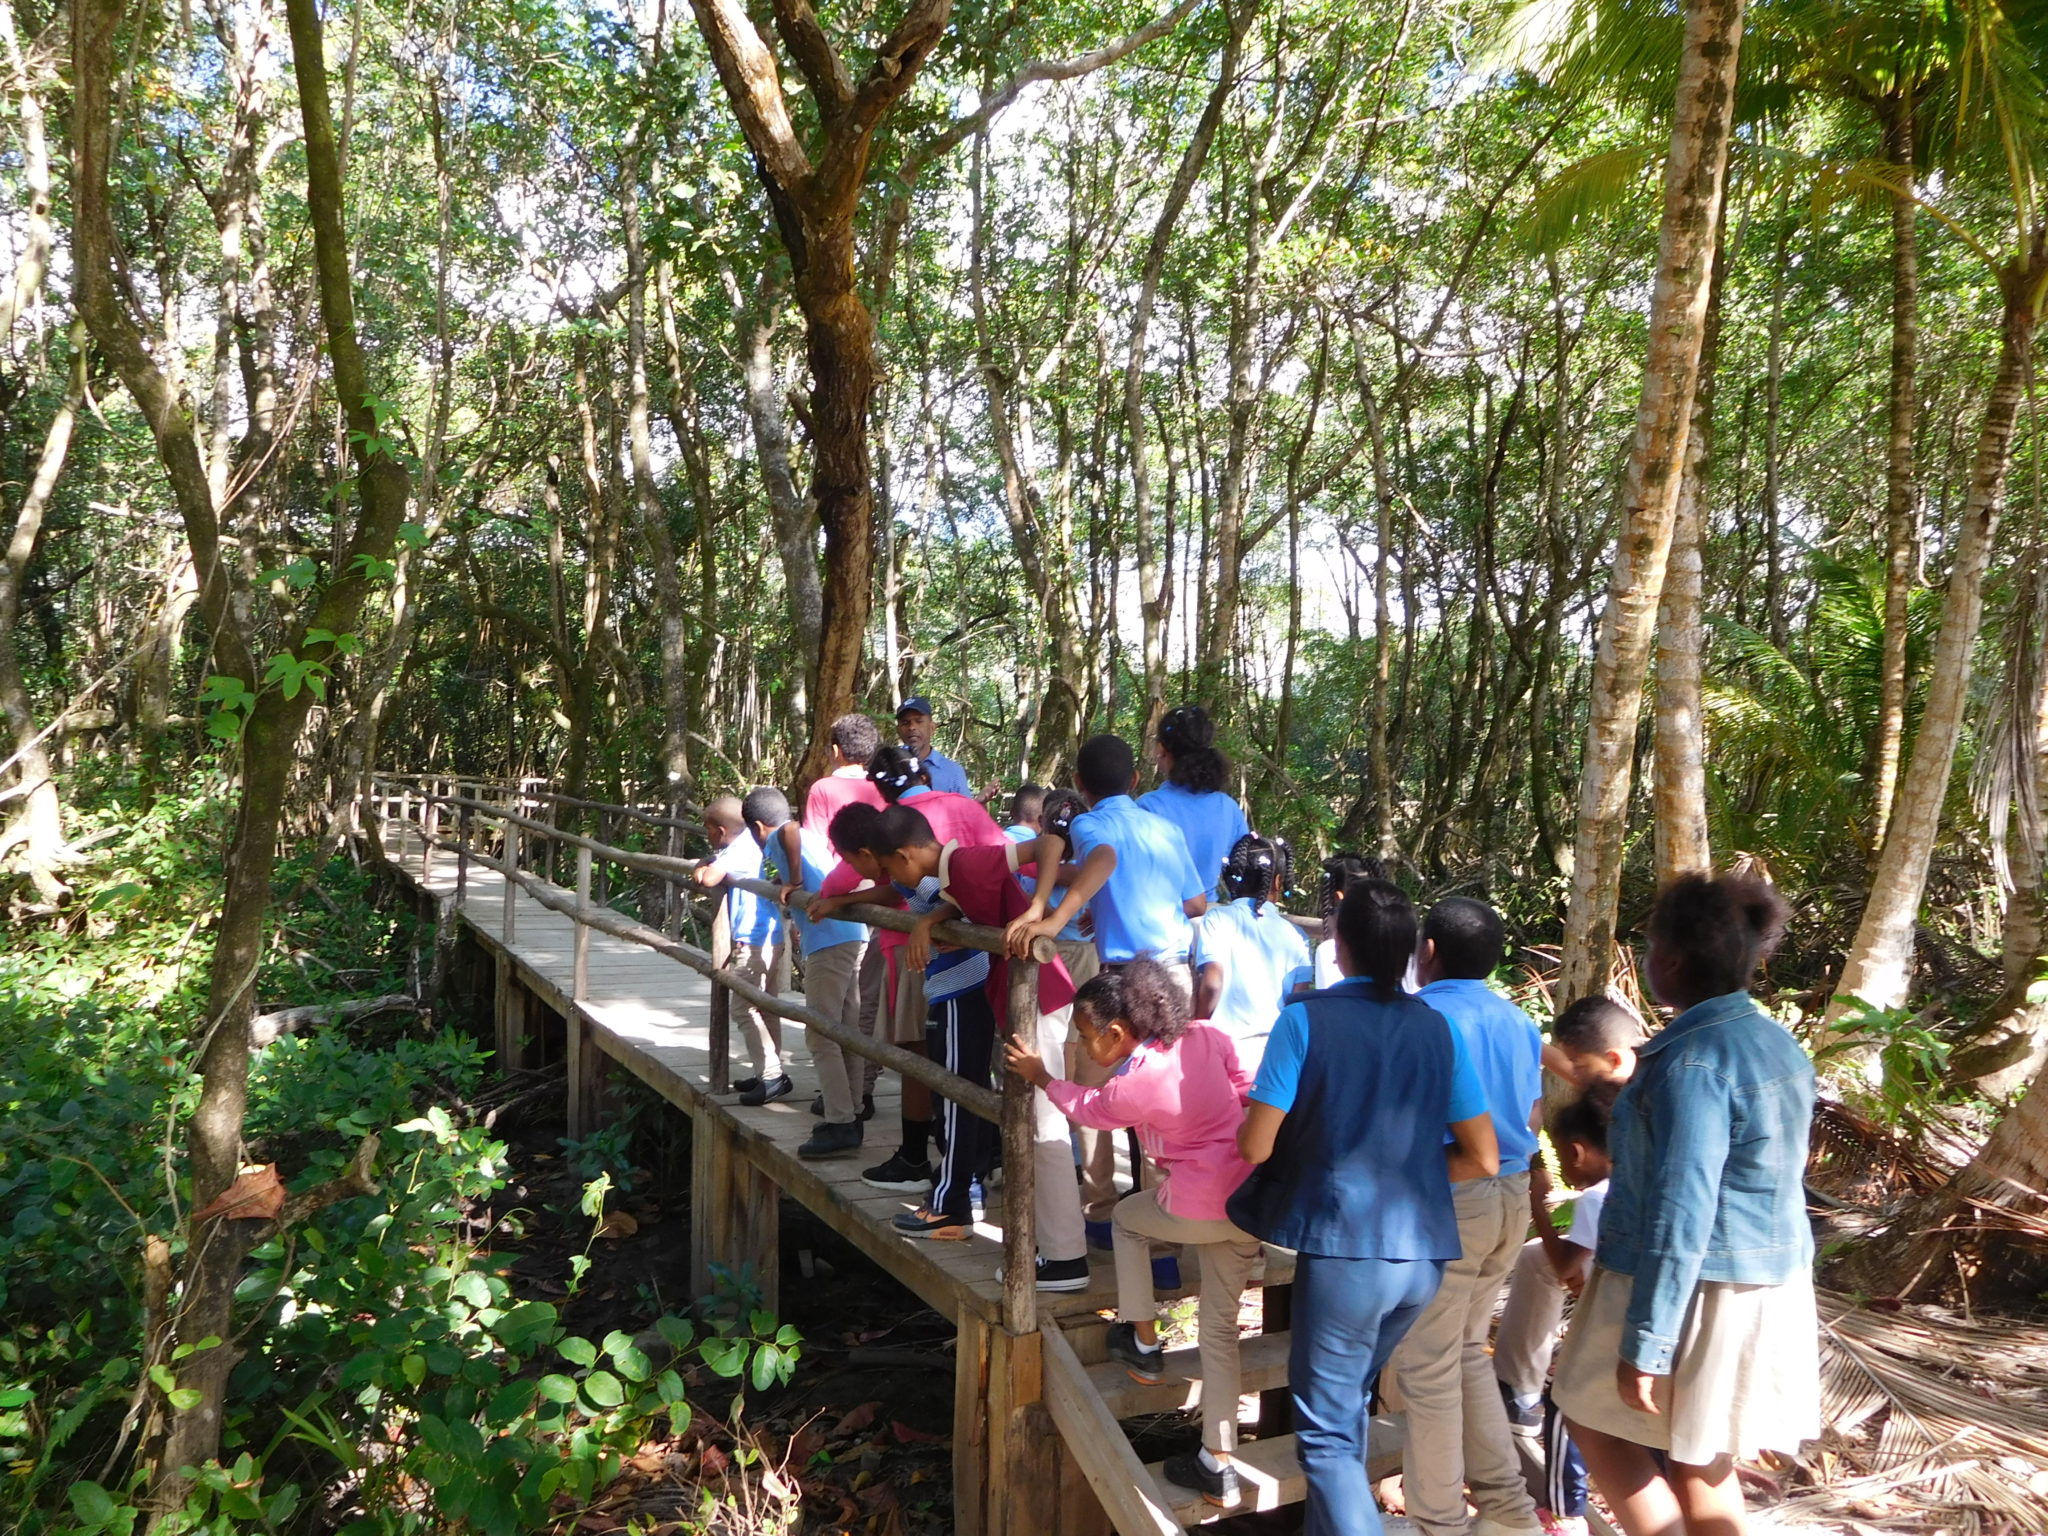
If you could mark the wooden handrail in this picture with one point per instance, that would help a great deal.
(962, 935)
(555, 797)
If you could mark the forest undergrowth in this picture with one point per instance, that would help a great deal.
(493, 1335)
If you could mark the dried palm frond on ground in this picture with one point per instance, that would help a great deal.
(1933, 1423)
(1858, 1158)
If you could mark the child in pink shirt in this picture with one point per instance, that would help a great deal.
(1181, 1085)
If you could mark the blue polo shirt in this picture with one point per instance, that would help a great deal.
(818, 861)
(1209, 819)
(1138, 912)
(947, 775)
(1507, 1056)
(753, 918)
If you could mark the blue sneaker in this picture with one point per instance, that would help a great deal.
(1166, 1272)
(1099, 1235)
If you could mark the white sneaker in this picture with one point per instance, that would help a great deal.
(1485, 1527)
(1398, 1525)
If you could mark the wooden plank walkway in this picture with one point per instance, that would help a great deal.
(651, 1016)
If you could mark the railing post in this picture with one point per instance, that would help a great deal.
(461, 852)
(582, 973)
(430, 829)
(604, 881)
(1020, 1234)
(721, 999)
(511, 880)
(553, 822)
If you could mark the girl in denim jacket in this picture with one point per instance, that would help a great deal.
(1697, 1336)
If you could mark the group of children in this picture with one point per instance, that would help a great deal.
(1370, 1102)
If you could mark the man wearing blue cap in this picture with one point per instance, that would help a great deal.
(914, 730)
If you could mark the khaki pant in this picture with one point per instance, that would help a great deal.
(1530, 1323)
(874, 981)
(1056, 1203)
(832, 986)
(1098, 1148)
(754, 963)
(1226, 1255)
(1457, 1425)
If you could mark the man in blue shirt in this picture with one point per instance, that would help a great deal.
(756, 933)
(1458, 1432)
(914, 730)
(1135, 875)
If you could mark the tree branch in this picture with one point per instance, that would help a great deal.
(816, 59)
(752, 82)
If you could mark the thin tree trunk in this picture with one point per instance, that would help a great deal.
(1776, 621)
(1151, 582)
(1879, 966)
(1692, 204)
(794, 519)
(40, 823)
(1680, 782)
(1902, 499)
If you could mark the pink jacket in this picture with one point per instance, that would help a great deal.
(1187, 1102)
(956, 819)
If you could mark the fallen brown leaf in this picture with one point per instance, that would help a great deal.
(256, 1195)
(857, 1419)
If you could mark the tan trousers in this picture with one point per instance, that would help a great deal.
(754, 963)
(1227, 1255)
(874, 1023)
(832, 986)
(1056, 1203)
(1098, 1148)
(1530, 1324)
(1457, 1425)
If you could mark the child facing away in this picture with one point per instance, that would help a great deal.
(1191, 792)
(832, 951)
(1247, 951)
(855, 739)
(756, 932)
(1551, 1267)
(1595, 1041)
(1027, 813)
(1181, 1085)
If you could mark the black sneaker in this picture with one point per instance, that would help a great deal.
(767, 1090)
(1058, 1274)
(1218, 1488)
(1146, 1363)
(867, 1105)
(899, 1173)
(832, 1141)
(818, 1105)
(743, 1085)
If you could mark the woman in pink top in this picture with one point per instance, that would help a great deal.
(1180, 1084)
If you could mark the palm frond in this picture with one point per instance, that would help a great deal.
(1594, 188)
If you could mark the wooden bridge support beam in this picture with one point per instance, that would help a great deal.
(588, 1067)
(735, 1212)
(1012, 1473)
(512, 1006)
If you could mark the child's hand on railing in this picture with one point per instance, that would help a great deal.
(1025, 1063)
(782, 898)
(1019, 936)
(917, 948)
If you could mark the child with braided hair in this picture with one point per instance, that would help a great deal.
(1247, 952)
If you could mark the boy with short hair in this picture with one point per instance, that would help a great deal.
(756, 932)
(1550, 1268)
(854, 740)
(799, 861)
(1027, 810)
(1597, 1038)
(980, 885)
(1457, 1425)
(1136, 876)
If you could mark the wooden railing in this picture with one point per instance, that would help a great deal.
(513, 829)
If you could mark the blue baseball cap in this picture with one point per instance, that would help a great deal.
(916, 704)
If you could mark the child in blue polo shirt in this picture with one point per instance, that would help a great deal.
(1135, 877)
(1191, 793)
(1458, 1436)
(756, 933)
(832, 949)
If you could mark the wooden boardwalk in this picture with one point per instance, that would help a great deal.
(1038, 1446)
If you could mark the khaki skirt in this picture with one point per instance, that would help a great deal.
(1746, 1376)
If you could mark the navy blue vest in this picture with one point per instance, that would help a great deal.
(1358, 1170)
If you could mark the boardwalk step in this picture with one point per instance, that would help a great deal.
(1270, 1476)
(1263, 1361)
